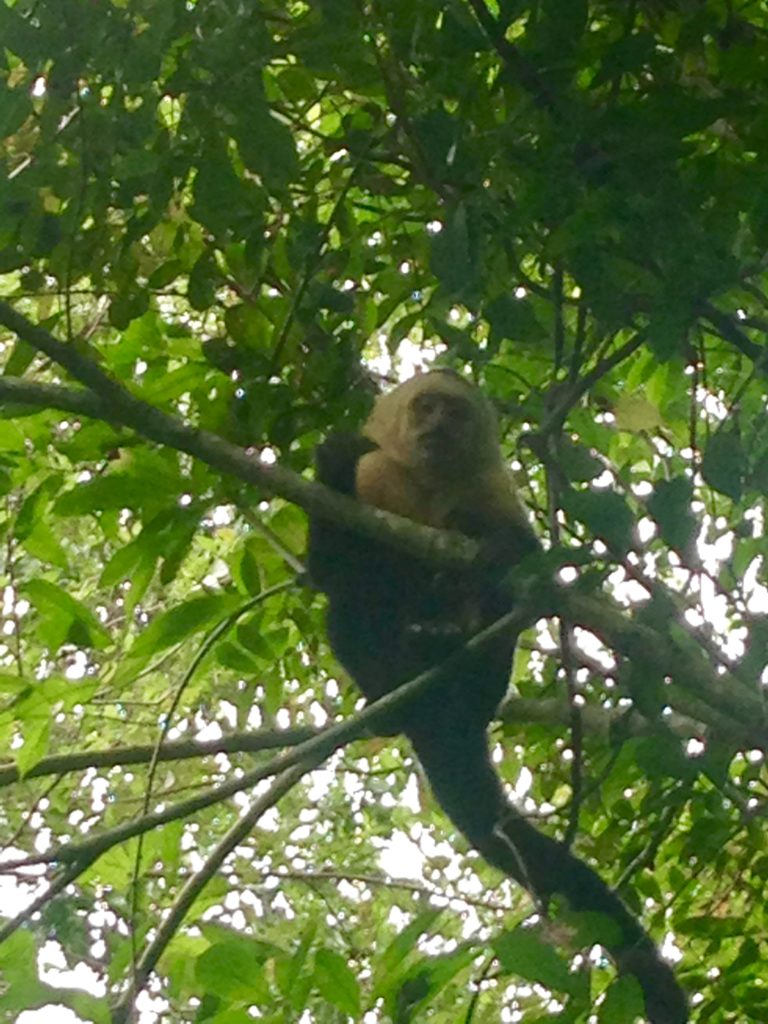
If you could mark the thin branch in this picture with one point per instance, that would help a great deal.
(198, 881)
(521, 710)
(565, 633)
(13, 838)
(571, 394)
(728, 330)
(559, 332)
(320, 746)
(205, 647)
(310, 263)
(58, 885)
(647, 855)
(181, 750)
(595, 720)
(478, 986)
(259, 526)
(519, 69)
(388, 883)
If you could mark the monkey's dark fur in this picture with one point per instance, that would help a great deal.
(430, 452)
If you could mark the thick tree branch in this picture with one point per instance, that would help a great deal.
(437, 546)
(728, 330)
(237, 743)
(682, 662)
(520, 710)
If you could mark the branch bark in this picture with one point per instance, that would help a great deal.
(237, 743)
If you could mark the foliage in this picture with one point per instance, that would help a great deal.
(246, 213)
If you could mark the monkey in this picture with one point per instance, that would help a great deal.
(430, 452)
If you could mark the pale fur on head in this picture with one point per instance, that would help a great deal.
(390, 424)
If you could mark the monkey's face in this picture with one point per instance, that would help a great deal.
(442, 428)
(438, 425)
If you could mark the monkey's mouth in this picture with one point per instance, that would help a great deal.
(438, 442)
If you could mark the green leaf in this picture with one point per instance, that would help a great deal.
(522, 952)
(336, 981)
(636, 414)
(513, 318)
(234, 970)
(293, 980)
(42, 543)
(36, 735)
(664, 756)
(182, 622)
(112, 491)
(623, 1003)
(248, 326)
(605, 513)
(670, 506)
(233, 656)
(21, 358)
(61, 608)
(452, 259)
(578, 462)
(268, 148)
(35, 506)
(201, 288)
(399, 948)
(724, 463)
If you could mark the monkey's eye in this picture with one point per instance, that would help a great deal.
(426, 404)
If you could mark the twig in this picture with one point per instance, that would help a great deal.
(236, 743)
(12, 839)
(473, 1002)
(645, 858)
(388, 883)
(320, 746)
(59, 884)
(311, 259)
(215, 634)
(198, 881)
(518, 67)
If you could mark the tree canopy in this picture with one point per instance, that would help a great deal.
(223, 226)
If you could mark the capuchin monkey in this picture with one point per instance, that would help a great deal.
(430, 452)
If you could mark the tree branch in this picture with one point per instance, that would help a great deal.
(236, 743)
(440, 547)
(519, 69)
(198, 881)
(728, 330)
(315, 750)
(679, 657)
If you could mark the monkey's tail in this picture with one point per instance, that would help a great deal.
(468, 789)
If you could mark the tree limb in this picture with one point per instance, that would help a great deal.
(604, 617)
(180, 750)
(318, 747)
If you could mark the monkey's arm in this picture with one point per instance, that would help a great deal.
(335, 554)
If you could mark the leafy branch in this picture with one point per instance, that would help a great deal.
(679, 657)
